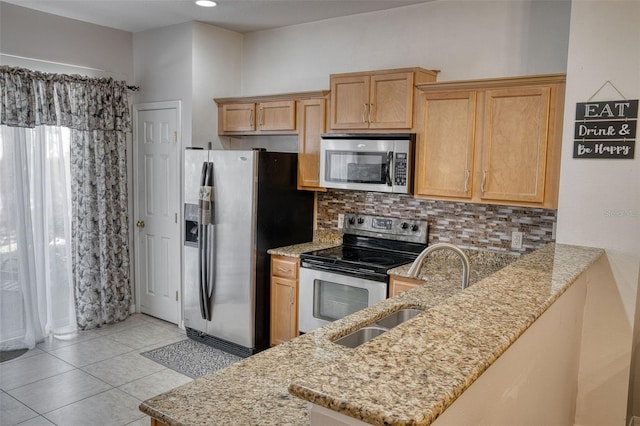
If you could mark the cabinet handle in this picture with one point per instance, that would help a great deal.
(370, 109)
(364, 113)
(291, 297)
(260, 114)
(484, 180)
(466, 180)
(251, 119)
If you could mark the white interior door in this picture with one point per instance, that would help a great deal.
(157, 207)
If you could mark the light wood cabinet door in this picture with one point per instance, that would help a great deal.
(311, 125)
(514, 144)
(238, 117)
(507, 132)
(277, 115)
(444, 154)
(284, 299)
(398, 285)
(391, 101)
(375, 101)
(284, 321)
(262, 115)
(350, 102)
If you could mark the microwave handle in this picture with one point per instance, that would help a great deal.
(389, 164)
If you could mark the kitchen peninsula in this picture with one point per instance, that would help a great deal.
(409, 375)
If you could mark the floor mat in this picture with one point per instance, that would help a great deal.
(191, 358)
(9, 355)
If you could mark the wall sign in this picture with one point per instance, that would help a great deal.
(605, 129)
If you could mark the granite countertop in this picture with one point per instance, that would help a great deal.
(443, 265)
(322, 239)
(413, 372)
(409, 374)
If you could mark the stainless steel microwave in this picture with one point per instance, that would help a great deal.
(367, 162)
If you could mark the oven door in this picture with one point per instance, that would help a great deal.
(326, 296)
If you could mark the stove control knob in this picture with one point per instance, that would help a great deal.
(360, 221)
(404, 225)
(414, 228)
(352, 220)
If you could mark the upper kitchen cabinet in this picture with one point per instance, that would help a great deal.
(312, 117)
(276, 116)
(260, 115)
(491, 141)
(237, 118)
(445, 151)
(515, 139)
(377, 99)
(303, 114)
(249, 117)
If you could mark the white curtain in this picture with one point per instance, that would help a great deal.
(97, 112)
(36, 292)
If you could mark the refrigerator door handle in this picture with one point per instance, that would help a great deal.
(210, 285)
(202, 244)
(209, 244)
(202, 260)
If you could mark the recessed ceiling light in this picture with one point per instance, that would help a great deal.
(206, 3)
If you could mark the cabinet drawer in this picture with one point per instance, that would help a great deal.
(284, 267)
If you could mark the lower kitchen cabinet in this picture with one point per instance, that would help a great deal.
(398, 284)
(284, 299)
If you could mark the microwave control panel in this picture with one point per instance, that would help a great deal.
(400, 169)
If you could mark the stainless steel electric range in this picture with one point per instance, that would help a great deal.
(338, 281)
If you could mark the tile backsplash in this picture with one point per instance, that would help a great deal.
(471, 226)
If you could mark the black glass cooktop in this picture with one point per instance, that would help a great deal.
(364, 254)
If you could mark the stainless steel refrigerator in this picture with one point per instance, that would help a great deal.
(238, 204)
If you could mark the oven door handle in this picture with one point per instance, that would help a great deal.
(389, 163)
(360, 273)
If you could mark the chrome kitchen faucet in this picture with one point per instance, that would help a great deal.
(417, 264)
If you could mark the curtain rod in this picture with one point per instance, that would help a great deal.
(132, 88)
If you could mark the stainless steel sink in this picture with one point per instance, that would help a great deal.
(364, 334)
(360, 336)
(398, 317)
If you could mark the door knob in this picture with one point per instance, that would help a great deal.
(140, 224)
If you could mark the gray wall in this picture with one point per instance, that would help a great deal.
(599, 200)
(89, 49)
(463, 39)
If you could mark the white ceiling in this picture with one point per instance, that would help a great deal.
(237, 15)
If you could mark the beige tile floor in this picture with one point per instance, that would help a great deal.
(96, 378)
